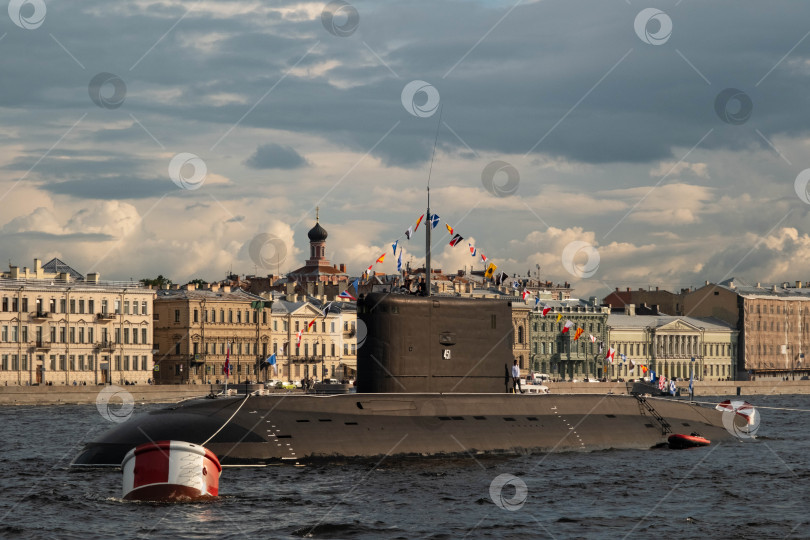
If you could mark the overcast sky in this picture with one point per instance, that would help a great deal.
(612, 143)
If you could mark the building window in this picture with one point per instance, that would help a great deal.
(126, 336)
(143, 308)
(73, 335)
(177, 315)
(91, 306)
(126, 307)
(135, 307)
(62, 305)
(81, 335)
(117, 305)
(143, 336)
(177, 348)
(196, 315)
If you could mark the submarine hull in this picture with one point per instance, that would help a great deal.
(300, 428)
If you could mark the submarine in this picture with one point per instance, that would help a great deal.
(433, 377)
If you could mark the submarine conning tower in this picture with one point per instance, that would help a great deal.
(418, 344)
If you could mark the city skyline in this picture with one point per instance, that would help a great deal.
(615, 146)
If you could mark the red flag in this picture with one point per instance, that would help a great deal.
(418, 221)
(381, 258)
(610, 353)
(567, 326)
(546, 309)
(579, 333)
(298, 338)
(456, 239)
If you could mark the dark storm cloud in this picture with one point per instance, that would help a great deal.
(67, 164)
(521, 84)
(275, 156)
(111, 188)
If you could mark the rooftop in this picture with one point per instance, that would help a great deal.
(617, 320)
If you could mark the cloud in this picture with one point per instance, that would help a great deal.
(275, 156)
(120, 187)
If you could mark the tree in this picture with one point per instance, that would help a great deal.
(158, 282)
(199, 282)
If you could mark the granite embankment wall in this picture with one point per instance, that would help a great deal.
(54, 395)
(702, 388)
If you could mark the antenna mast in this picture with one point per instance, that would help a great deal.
(429, 223)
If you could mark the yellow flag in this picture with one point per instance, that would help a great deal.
(490, 271)
(559, 317)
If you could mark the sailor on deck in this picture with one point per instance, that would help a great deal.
(516, 377)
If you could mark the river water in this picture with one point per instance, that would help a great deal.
(751, 489)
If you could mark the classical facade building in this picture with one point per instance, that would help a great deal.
(318, 354)
(773, 323)
(667, 344)
(60, 328)
(558, 354)
(196, 330)
(521, 336)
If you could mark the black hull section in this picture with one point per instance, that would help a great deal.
(299, 428)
